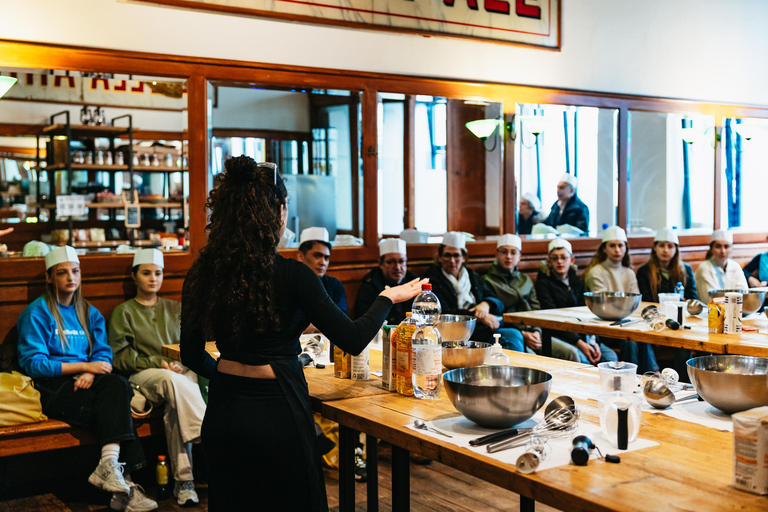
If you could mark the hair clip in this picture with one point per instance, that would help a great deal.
(269, 165)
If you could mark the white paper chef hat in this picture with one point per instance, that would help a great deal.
(510, 240)
(531, 198)
(148, 257)
(391, 245)
(569, 179)
(614, 233)
(722, 235)
(560, 243)
(667, 235)
(455, 239)
(314, 233)
(60, 255)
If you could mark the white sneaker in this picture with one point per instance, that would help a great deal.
(109, 476)
(184, 492)
(134, 501)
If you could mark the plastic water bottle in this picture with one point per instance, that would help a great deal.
(680, 291)
(426, 306)
(496, 357)
(427, 356)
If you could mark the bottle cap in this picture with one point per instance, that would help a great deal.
(426, 286)
(496, 348)
(161, 458)
(408, 313)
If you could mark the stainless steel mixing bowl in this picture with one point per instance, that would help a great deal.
(752, 301)
(497, 396)
(456, 327)
(464, 354)
(731, 383)
(612, 305)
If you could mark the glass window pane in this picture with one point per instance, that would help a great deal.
(744, 146)
(391, 197)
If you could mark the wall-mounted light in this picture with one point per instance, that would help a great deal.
(747, 131)
(534, 124)
(483, 128)
(6, 82)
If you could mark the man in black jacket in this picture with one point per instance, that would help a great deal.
(559, 286)
(392, 271)
(568, 209)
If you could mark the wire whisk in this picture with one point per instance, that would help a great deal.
(559, 422)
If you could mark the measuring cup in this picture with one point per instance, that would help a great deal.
(620, 417)
(617, 376)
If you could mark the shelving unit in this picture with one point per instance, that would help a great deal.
(59, 137)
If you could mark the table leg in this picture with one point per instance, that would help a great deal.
(546, 343)
(527, 504)
(401, 479)
(347, 438)
(372, 466)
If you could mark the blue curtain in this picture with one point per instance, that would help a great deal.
(687, 123)
(732, 174)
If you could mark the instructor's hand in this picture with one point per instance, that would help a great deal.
(403, 292)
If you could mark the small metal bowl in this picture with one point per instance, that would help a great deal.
(497, 396)
(751, 302)
(456, 327)
(612, 305)
(729, 382)
(464, 354)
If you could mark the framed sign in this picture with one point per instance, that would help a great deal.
(524, 22)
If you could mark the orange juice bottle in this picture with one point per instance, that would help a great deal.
(404, 364)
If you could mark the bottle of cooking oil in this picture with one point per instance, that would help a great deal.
(404, 363)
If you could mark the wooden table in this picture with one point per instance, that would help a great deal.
(691, 469)
(582, 320)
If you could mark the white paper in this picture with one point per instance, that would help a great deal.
(558, 452)
(694, 411)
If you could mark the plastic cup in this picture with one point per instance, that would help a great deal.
(620, 416)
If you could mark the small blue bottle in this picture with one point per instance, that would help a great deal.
(680, 291)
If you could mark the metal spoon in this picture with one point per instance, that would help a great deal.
(658, 394)
(423, 426)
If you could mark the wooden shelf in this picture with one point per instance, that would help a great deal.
(162, 168)
(115, 243)
(168, 204)
(88, 167)
(79, 130)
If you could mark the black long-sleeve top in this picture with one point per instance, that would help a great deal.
(575, 213)
(666, 286)
(299, 298)
(374, 283)
(554, 293)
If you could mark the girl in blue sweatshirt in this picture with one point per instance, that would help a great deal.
(63, 346)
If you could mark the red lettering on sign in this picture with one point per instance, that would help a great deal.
(499, 6)
(70, 81)
(95, 83)
(138, 88)
(472, 4)
(527, 11)
(122, 86)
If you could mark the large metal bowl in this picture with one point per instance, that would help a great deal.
(497, 396)
(464, 354)
(612, 305)
(752, 301)
(456, 327)
(731, 383)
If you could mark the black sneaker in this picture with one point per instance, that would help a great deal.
(361, 469)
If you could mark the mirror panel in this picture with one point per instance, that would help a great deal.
(314, 137)
(670, 172)
(554, 139)
(744, 146)
(108, 140)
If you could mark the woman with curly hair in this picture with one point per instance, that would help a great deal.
(258, 434)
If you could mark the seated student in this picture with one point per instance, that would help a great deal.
(462, 292)
(517, 292)
(315, 252)
(529, 213)
(138, 329)
(756, 271)
(392, 271)
(568, 209)
(559, 286)
(718, 271)
(63, 346)
(611, 271)
(661, 274)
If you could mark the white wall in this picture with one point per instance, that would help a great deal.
(698, 49)
(261, 109)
